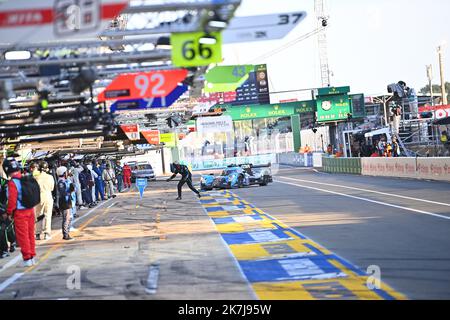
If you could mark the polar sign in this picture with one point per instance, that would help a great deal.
(151, 102)
(154, 84)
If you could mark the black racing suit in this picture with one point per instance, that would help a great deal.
(186, 177)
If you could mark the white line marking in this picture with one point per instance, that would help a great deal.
(11, 263)
(10, 281)
(368, 200)
(90, 211)
(111, 205)
(18, 257)
(367, 190)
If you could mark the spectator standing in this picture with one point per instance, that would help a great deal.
(92, 184)
(395, 148)
(126, 175)
(65, 188)
(119, 176)
(397, 115)
(7, 235)
(46, 185)
(24, 218)
(73, 199)
(108, 176)
(86, 183)
(76, 180)
(99, 183)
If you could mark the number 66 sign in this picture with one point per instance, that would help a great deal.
(154, 84)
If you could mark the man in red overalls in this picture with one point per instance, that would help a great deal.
(24, 218)
(126, 175)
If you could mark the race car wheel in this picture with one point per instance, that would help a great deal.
(265, 182)
(240, 182)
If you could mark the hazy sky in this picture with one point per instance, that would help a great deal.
(371, 43)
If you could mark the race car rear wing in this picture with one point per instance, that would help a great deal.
(251, 166)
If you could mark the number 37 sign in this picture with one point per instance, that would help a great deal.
(187, 51)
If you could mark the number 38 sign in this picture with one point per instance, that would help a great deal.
(187, 51)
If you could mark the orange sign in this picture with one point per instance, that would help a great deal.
(132, 131)
(152, 136)
(154, 84)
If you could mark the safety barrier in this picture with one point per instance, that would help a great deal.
(414, 168)
(296, 159)
(342, 165)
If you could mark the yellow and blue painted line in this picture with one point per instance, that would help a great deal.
(282, 264)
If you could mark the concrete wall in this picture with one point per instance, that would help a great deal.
(295, 159)
(414, 168)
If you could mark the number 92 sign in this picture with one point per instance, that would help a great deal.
(187, 51)
(155, 84)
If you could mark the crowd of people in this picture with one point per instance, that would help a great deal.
(59, 188)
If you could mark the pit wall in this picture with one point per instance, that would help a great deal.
(413, 168)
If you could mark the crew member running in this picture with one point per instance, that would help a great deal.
(186, 177)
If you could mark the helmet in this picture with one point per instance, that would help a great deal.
(61, 171)
(10, 165)
(43, 166)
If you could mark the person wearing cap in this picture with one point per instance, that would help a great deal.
(65, 188)
(86, 186)
(186, 177)
(47, 185)
(24, 218)
(108, 177)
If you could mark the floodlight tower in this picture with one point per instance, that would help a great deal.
(322, 23)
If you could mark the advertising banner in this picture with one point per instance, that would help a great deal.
(434, 168)
(169, 139)
(132, 131)
(262, 27)
(389, 167)
(139, 104)
(152, 136)
(247, 112)
(25, 21)
(215, 124)
(249, 85)
(439, 112)
(140, 85)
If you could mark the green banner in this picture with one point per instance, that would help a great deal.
(332, 91)
(306, 107)
(187, 51)
(333, 108)
(229, 74)
(261, 111)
